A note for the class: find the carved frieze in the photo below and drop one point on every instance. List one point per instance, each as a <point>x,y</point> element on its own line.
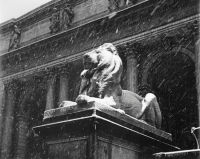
<point>181,37</point>
<point>118,4</point>
<point>66,16</point>
<point>63,45</point>
<point>61,18</point>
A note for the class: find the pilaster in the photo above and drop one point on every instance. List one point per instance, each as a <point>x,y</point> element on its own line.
<point>198,81</point>
<point>11,90</point>
<point>21,136</point>
<point>132,71</point>
<point>64,85</point>
<point>2,107</point>
<point>50,98</point>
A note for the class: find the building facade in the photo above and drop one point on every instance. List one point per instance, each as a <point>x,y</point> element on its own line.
<point>41,62</point>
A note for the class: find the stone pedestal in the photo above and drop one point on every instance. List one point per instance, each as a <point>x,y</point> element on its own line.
<point>85,132</point>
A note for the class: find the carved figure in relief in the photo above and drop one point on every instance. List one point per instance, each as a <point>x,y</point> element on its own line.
<point>101,83</point>
<point>117,4</point>
<point>55,21</point>
<point>66,16</point>
<point>15,38</point>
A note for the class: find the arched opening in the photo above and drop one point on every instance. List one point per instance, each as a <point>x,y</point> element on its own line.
<point>172,78</point>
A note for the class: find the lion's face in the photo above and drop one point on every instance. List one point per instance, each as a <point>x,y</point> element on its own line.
<point>99,57</point>
<point>90,60</point>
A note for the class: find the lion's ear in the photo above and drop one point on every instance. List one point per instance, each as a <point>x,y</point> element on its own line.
<point>110,47</point>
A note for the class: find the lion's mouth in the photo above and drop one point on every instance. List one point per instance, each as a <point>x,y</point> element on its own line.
<point>90,61</point>
<point>88,65</point>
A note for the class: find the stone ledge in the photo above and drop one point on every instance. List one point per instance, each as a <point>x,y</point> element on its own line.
<point>185,154</point>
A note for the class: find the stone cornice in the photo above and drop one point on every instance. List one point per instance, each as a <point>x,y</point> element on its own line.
<point>35,15</point>
<point>160,30</point>
<point>147,35</point>
<point>118,13</point>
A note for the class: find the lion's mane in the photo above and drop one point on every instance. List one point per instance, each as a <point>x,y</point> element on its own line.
<point>107,73</point>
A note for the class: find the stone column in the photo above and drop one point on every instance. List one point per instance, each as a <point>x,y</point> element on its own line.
<point>198,81</point>
<point>131,70</point>
<point>9,121</point>
<point>64,87</point>
<point>2,104</point>
<point>50,99</point>
<point>21,136</point>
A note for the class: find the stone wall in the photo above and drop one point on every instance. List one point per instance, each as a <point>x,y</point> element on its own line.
<point>127,25</point>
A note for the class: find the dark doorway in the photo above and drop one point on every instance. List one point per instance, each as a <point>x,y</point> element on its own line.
<point>172,78</point>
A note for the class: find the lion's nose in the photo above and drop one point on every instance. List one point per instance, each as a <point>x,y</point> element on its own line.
<point>86,56</point>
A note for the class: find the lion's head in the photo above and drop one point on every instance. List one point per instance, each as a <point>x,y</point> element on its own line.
<point>102,71</point>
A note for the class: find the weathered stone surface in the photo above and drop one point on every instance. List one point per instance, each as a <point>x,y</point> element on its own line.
<point>4,41</point>
<point>65,45</point>
<point>50,98</point>
<point>71,149</point>
<point>9,122</point>
<point>35,30</point>
<point>89,9</point>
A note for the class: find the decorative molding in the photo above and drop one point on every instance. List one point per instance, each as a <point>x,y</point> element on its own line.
<point>130,49</point>
<point>160,30</point>
<point>38,14</point>
<point>77,27</point>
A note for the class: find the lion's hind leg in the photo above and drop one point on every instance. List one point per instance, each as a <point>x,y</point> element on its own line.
<point>150,111</point>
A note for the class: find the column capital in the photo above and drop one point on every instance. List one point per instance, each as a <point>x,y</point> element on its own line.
<point>22,116</point>
<point>144,89</point>
<point>64,70</point>
<point>50,74</point>
<point>2,86</point>
<point>12,85</point>
<point>132,50</point>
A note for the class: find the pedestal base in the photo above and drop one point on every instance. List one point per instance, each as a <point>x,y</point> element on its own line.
<point>76,132</point>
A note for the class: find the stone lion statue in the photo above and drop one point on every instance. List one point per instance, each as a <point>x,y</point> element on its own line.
<point>101,83</point>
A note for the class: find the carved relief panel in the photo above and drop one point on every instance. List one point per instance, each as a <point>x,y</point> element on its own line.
<point>61,18</point>
<point>15,37</point>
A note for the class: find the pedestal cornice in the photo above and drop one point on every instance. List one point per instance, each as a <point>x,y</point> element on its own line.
<point>88,117</point>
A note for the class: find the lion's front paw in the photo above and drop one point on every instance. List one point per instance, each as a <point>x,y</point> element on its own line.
<point>82,99</point>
